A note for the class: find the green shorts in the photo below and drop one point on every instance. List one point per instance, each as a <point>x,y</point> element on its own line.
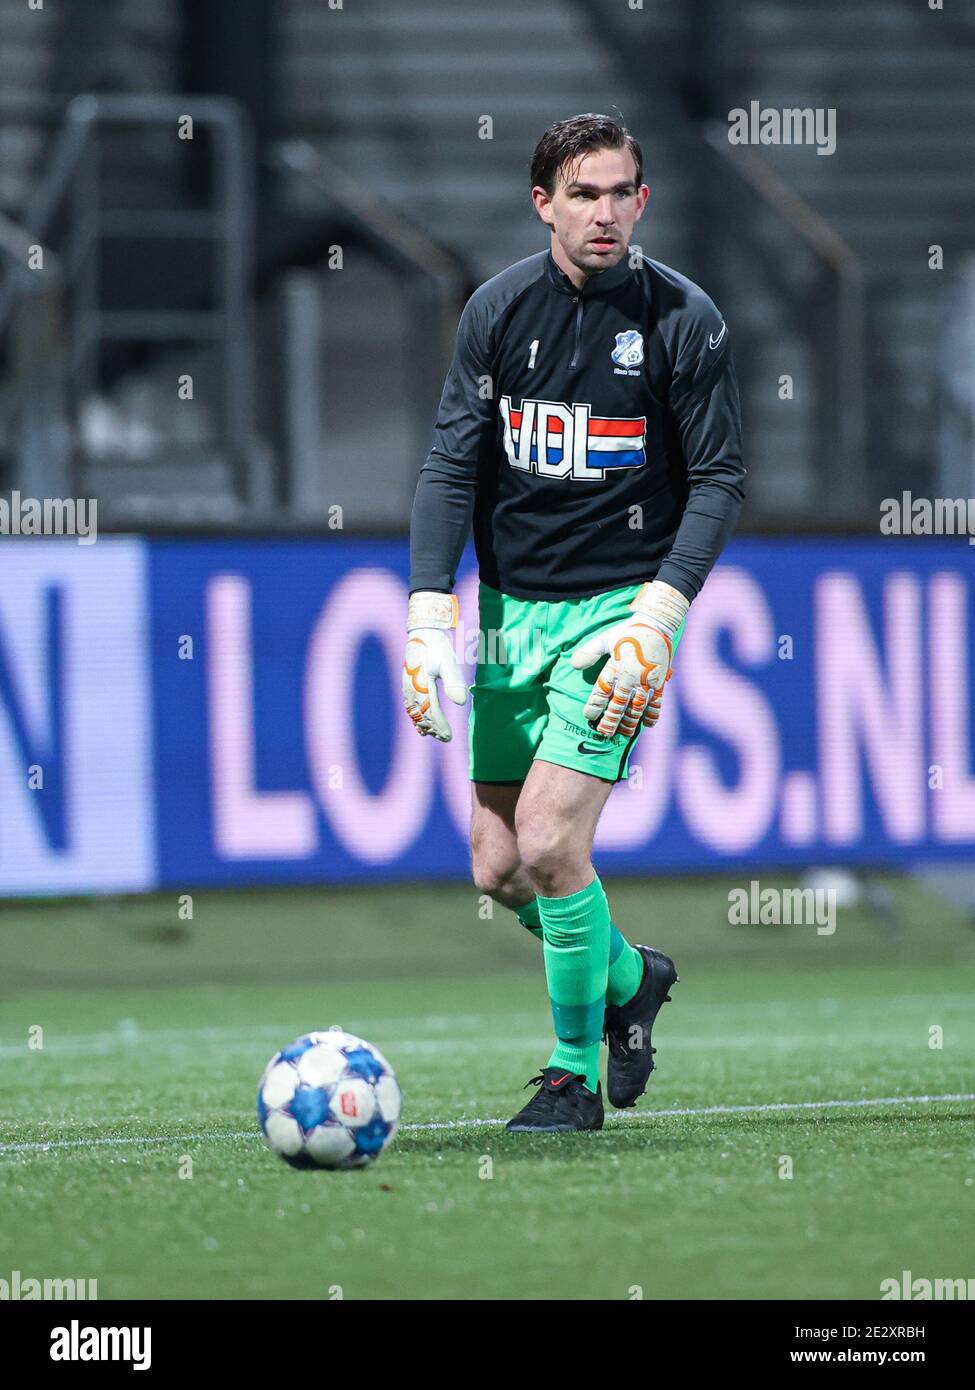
<point>528,699</point>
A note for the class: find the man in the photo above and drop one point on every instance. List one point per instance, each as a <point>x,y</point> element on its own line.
<point>589,427</point>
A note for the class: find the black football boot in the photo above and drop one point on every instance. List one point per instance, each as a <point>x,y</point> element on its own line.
<point>626,1029</point>
<point>562,1103</point>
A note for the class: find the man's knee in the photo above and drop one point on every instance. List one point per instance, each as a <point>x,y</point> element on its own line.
<point>545,846</point>
<point>493,867</point>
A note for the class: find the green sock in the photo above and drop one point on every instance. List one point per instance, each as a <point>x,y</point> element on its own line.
<point>576,947</point>
<point>529,918</point>
<point>625,969</point>
<point>625,961</point>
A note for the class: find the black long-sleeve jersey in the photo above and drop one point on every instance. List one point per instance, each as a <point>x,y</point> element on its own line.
<point>592,435</point>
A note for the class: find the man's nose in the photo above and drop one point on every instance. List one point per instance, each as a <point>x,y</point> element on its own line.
<point>605,212</point>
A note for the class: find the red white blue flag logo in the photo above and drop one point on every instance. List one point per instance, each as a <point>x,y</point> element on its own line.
<point>567,441</point>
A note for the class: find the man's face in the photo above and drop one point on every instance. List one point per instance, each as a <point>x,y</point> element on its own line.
<point>592,212</point>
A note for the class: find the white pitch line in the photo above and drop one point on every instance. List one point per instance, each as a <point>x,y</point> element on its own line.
<point>729,1110</point>
<point>40,1146</point>
<point>43,1146</point>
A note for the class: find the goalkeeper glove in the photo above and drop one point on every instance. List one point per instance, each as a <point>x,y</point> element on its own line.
<point>430,657</point>
<point>630,685</point>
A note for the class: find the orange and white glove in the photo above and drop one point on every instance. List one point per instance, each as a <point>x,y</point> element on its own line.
<point>630,686</point>
<point>430,657</point>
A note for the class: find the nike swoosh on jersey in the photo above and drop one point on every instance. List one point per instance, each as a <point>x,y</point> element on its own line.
<point>714,341</point>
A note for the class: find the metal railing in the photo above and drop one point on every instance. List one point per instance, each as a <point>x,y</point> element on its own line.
<point>72,186</point>
<point>380,223</point>
<point>431,277</point>
<point>38,432</point>
<point>68,202</point>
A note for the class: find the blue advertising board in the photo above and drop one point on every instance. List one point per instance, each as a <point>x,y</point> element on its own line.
<point>186,712</point>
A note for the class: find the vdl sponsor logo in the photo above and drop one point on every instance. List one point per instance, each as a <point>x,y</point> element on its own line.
<point>556,440</point>
<point>19,1288</point>
<point>77,1343</point>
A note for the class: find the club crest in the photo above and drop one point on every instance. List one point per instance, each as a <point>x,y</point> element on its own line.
<point>628,351</point>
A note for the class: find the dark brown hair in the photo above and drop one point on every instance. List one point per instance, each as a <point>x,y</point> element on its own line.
<point>566,141</point>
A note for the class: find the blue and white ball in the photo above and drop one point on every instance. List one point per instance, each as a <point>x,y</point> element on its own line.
<point>329,1100</point>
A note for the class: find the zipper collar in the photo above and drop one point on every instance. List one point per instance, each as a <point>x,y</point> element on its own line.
<point>599,286</point>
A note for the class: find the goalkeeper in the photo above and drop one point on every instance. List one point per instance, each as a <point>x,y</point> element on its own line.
<point>589,432</point>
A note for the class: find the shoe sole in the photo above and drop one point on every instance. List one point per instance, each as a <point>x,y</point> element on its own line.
<point>551,1129</point>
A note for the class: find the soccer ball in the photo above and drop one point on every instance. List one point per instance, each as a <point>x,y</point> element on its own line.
<point>328,1100</point>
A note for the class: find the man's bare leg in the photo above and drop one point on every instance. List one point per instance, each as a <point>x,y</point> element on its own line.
<point>495,861</point>
<point>535,838</point>
<point>551,817</point>
<point>555,821</point>
<point>555,817</point>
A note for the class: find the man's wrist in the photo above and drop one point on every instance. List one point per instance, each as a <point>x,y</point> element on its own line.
<point>663,603</point>
<point>429,608</point>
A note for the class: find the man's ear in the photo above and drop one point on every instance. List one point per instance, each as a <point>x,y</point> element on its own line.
<point>543,205</point>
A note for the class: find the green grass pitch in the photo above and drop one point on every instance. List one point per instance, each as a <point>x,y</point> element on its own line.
<point>155,1032</point>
